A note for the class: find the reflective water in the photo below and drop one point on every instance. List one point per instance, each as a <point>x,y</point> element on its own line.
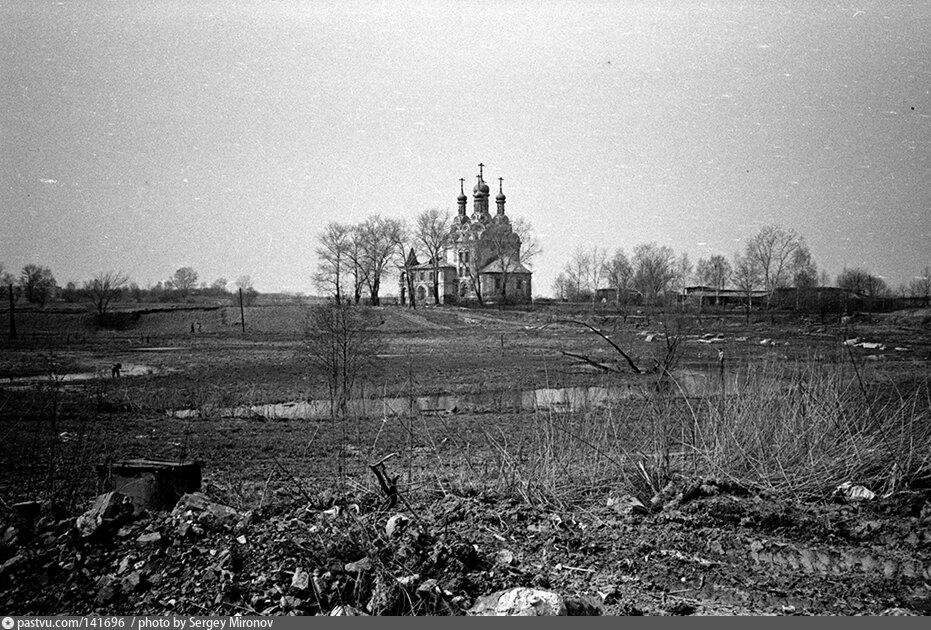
<point>685,382</point>
<point>127,369</point>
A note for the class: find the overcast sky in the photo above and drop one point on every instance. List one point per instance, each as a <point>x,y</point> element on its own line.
<point>148,135</point>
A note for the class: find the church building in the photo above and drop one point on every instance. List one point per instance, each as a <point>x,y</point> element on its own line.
<point>485,252</point>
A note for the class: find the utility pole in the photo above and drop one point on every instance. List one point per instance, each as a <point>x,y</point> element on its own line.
<point>242,312</point>
<point>12,318</point>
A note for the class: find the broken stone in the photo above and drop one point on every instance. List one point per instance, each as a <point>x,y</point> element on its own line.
<point>300,581</point>
<point>109,509</point>
<point>505,557</point>
<point>196,509</point>
<point>107,590</point>
<point>131,582</point>
<point>627,505</point>
<point>519,602</point>
<point>395,524</point>
<point>150,537</point>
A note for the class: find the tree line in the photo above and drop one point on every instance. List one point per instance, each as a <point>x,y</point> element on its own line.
<point>37,285</point>
<point>774,258</point>
<point>354,259</point>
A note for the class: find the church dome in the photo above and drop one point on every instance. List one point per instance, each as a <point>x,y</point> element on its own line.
<point>480,188</point>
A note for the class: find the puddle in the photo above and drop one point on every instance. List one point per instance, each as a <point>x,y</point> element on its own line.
<point>686,383</point>
<point>127,369</point>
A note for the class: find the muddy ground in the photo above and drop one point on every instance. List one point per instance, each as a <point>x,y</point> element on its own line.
<point>307,501</point>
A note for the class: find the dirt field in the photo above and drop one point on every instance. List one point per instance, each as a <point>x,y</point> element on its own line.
<point>513,446</point>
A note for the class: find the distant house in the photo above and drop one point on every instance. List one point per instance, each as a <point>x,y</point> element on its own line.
<point>422,281</point>
<point>619,296</point>
<point>704,295</point>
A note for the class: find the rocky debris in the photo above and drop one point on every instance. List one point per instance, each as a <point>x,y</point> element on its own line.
<point>519,602</point>
<point>705,542</point>
<point>108,512</point>
<point>300,581</point>
<point>506,558</point>
<point>131,582</point>
<point>196,513</point>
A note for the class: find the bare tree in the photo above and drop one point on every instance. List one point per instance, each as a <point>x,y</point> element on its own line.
<point>597,258</point>
<point>379,238</point>
<point>772,251</point>
<point>683,269</point>
<point>561,286</point>
<point>184,280</point>
<point>530,246</point>
<point>405,254</point>
<point>619,275</point>
<point>341,341</point>
<point>432,230</point>
<point>105,287</point>
<point>358,270</point>
<point>332,258</point>
<point>714,272</point>
<point>863,282</point>
<point>746,278</point>
<point>37,283</point>
<point>577,274</point>
<point>654,269</point>
<point>804,269</point>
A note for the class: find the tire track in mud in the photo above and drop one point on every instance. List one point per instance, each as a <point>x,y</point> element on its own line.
<point>820,559</point>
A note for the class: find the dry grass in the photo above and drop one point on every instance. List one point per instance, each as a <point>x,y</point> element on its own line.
<point>797,430</point>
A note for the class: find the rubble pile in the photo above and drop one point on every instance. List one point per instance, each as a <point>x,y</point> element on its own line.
<point>697,547</point>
